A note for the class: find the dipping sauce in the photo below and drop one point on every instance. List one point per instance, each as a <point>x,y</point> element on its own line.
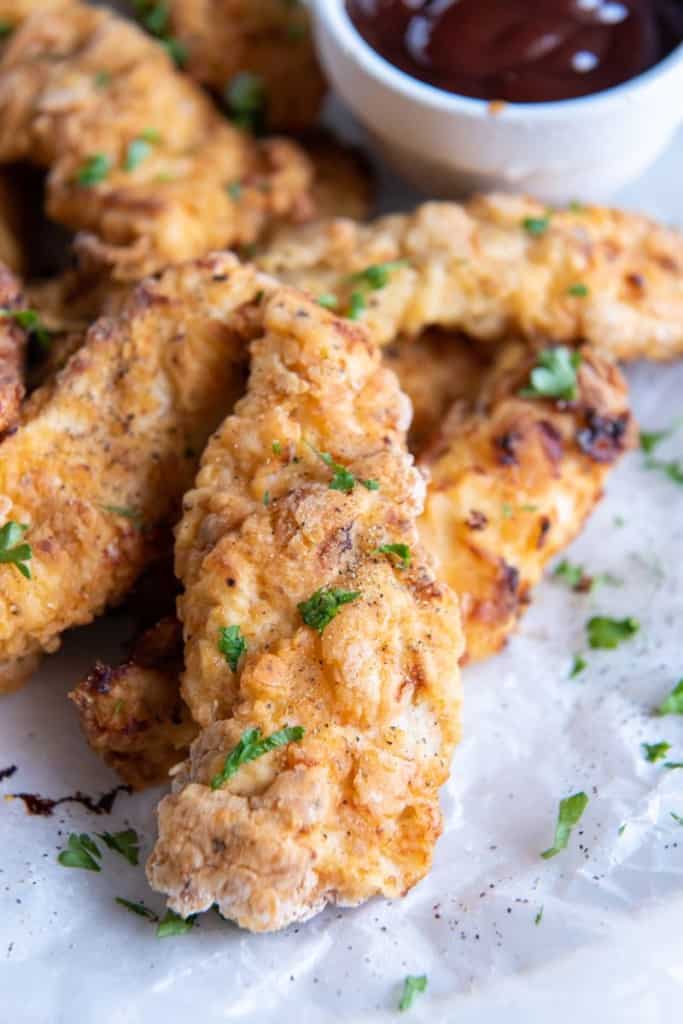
<point>522,51</point>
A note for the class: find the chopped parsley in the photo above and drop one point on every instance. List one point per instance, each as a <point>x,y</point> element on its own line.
<point>176,50</point>
<point>357,305</point>
<point>539,917</point>
<point>126,512</point>
<point>327,300</point>
<point>266,498</point>
<point>6,28</point>
<point>80,853</point>
<point>246,99</point>
<point>253,745</point>
<point>234,190</point>
<point>555,375</point>
<point>30,320</point>
<point>173,924</point>
<point>154,17</point>
<point>12,548</point>
<point>673,764</point>
<point>102,79</point>
<point>578,666</point>
<point>343,479</point>
<point>126,843</point>
<point>137,908</point>
<point>371,485</point>
<point>536,226</point>
<point>569,815</point>
<point>140,148</point>
<point>399,551</point>
<point>654,752</point>
<point>673,705</point>
<point>276,448</point>
<point>232,645</point>
<point>676,817</point>
<point>605,633</point>
<point>578,290</point>
<point>323,606</point>
<point>377,276</point>
<point>94,170</point>
<point>674,469</point>
<point>572,574</point>
<point>413,984</point>
<point>649,440</point>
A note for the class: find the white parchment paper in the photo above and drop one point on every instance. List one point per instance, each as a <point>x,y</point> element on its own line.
<point>608,946</point>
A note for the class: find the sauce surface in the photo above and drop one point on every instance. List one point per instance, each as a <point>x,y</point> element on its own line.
<point>522,51</point>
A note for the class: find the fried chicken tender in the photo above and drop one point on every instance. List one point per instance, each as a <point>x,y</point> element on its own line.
<point>11,242</point>
<point>497,267</point>
<point>13,339</point>
<point>270,39</point>
<point>512,483</point>
<point>351,810</point>
<point>138,157</point>
<point>104,451</point>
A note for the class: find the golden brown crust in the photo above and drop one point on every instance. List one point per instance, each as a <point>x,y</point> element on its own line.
<point>270,39</point>
<point>120,427</point>
<point>477,268</point>
<point>78,84</point>
<point>351,810</point>
<point>512,482</point>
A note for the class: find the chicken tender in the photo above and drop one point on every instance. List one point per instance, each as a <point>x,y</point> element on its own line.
<point>13,340</point>
<point>138,157</point>
<point>309,605</point>
<point>104,451</point>
<point>264,48</point>
<point>11,242</point>
<point>512,483</point>
<point>499,266</point>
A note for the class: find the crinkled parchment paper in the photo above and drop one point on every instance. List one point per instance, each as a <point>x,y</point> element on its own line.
<point>608,946</point>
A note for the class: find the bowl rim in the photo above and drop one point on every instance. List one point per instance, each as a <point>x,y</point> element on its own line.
<point>339,25</point>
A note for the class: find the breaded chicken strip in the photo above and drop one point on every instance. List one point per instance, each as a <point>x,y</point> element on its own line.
<point>499,266</point>
<point>512,483</point>
<point>262,51</point>
<point>12,253</point>
<point>13,339</point>
<point>297,615</point>
<point>105,450</point>
<point>137,155</point>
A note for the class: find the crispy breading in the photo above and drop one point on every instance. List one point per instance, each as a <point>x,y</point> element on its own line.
<point>78,88</point>
<point>13,340</point>
<point>270,39</point>
<point>343,179</point>
<point>104,451</point>
<point>133,714</point>
<point>608,277</point>
<point>351,810</point>
<point>512,483</point>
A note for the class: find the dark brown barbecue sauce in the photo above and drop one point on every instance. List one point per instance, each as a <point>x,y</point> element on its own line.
<point>522,51</point>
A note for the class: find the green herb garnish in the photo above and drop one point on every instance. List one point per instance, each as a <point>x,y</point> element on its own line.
<point>252,746</point>
<point>572,574</point>
<point>327,300</point>
<point>578,290</point>
<point>569,815</point>
<point>276,448</point>
<point>673,705</point>
<point>578,665</point>
<point>399,551</point>
<point>605,633</point>
<point>234,190</point>
<point>413,984</point>
<point>176,50</point>
<point>102,79</point>
<point>671,765</point>
<point>126,843</point>
<point>536,226</point>
<point>232,645</point>
<point>80,853</point>
<point>377,276</point>
<point>140,148</point>
<point>676,817</point>
<point>266,498</point>
<point>30,321</point>
<point>319,610</point>
<point>245,96</point>
<point>674,470</point>
<point>654,752</point>
<point>6,28</point>
<point>173,924</point>
<point>539,917</point>
<point>94,170</point>
<point>12,550</point>
<point>649,440</point>
<point>126,512</point>
<point>555,375</point>
<point>137,908</point>
<point>357,305</point>
<point>343,479</point>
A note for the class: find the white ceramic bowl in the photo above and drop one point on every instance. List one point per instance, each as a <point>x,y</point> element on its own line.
<point>448,145</point>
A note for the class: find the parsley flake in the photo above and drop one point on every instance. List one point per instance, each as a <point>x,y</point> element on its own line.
<point>253,745</point>
<point>137,908</point>
<point>327,300</point>
<point>266,498</point>
<point>673,705</point>
<point>578,666</point>
<point>671,765</point>
<point>539,917</point>
<point>126,843</point>
<point>102,79</point>
<point>413,984</point>
<point>6,29</point>
<point>173,924</point>
<point>234,190</point>
<point>276,448</point>
<point>30,320</point>
<point>246,99</point>
<point>80,853</point>
<point>536,226</point>
<point>676,817</point>
<point>343,479</point>
<point>569,815</point>
<point>323,606</point>
<point>649,440</point>
<point>377,276</point>
<point>674,469</point>
<point>654,752</point>
<point>126,512</point>
<point>232,645</point>
<point>357,305</point>
<point>371,485</point>
<point>400,551</point>
<point>555,375</point>
<point>578,290</point>
<point>139,149</point>
<point>94,170</point>
<point>572,574</point>
<point>12,550</point>
<point>606,634</point>
<point>176,50</point>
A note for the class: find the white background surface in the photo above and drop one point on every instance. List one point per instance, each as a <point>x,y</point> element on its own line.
<point>609,945</point>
